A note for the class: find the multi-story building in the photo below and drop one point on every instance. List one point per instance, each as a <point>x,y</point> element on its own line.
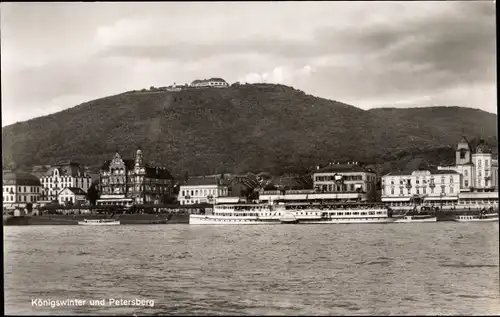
<point>335,182</point>
<point>476,165</point>
<point>61,175</point>
<point>202,190</point>
<point>349,180</point>
<point>212,82</point>
<point>403,189</point>
<point>479,185</point>
<point>126,182</point>
<point>20,189</point>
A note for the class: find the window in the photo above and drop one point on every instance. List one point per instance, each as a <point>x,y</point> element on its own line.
<point>466,183</point>
<point>401,190</point>
<point>462,154</point>
<point>418,191</point>
<point>451,189</point>
<point>451,179</point>
<point>432,190</point>
<point>392,190</point>
<point>486,163</point>
<point>442,189</point>
<point>466,173</point>
<point>424,190</point>
<point>409,191</point>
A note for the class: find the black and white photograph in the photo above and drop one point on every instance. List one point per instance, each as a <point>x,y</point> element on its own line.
<point>281,158</point>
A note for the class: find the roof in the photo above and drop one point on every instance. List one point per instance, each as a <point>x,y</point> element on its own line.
<point>290,182</point>
<point>20,178</point>
<point>200,181</point>
<point>76,190</point>
<point>66,170</point>
<point>444,172</point>
<point>216,79</point>
<point>198,81</point>
<point>129,164</point>
<point>483,147</point>
<point>408,173</point>
<point>343,168</point>
<point>158,172</point>
<point>463,140</point>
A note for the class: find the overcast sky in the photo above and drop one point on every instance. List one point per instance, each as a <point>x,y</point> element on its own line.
<point>368,54</point>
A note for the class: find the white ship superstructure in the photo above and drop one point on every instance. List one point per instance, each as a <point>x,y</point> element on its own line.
<point>302,213</point>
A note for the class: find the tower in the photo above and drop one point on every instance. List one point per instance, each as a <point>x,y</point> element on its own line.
<point>139,159</point>
<point>463,152</point>
<point>482,165</point>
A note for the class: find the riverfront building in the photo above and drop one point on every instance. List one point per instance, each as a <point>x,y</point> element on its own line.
<point>127,182</point>
<point>476,165</point>
<point>200,190</point>
<point>439,187</point>
<point>479,185</point>
<point>61,175</point>
<point>335,182</point>
<point>72,196</point>
<point>471,182</point>
<point>20,189</point>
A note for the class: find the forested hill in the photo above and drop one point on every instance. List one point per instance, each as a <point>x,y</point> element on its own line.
<point>260,127</point>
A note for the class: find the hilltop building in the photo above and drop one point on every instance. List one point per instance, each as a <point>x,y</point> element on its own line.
<point>61,175</point>
<point>20,189</point>
<point>200,190</point>
<point>126,182</point>
<point>212,82</point>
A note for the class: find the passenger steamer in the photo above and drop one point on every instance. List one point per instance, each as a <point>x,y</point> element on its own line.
<point>303,213</point>
<point>99,222</point>
<point>425,214</point>
<point>481,217</point>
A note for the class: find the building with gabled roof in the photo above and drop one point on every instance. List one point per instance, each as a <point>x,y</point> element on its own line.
<point>72,195</point>
<point>126,182</point>
<point>63,174</point>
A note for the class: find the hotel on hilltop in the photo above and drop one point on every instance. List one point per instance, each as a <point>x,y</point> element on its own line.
<point>471,182</point>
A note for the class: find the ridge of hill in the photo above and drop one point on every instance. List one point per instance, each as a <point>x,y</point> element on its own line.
<point>259,127</point>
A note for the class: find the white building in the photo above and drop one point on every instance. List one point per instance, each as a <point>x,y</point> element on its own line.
<point>62,175</point>
<point>20,189</point>
<point>346,180</point>
<point>202,190</point>
<point>479,185</point>
<point>72,195</point>
<point>479,170</point>
<point>440,187</point>
<point>212,82</point>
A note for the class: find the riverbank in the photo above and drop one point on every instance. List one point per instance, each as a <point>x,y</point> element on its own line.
<point>130,219</point>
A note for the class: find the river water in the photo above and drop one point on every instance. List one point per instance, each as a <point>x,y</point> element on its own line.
<point>343,269</point>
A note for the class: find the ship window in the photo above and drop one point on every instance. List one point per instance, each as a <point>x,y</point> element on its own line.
<point>355,213</point>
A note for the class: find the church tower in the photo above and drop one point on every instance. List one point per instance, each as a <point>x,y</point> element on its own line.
<point>463,152</point>
<point>139,159</point>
